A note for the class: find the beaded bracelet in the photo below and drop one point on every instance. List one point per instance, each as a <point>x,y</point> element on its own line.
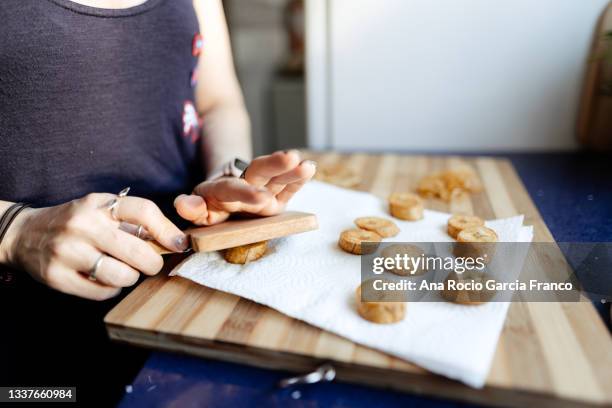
<point>9,216</point>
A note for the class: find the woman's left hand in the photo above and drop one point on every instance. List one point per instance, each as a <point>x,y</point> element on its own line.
<point>269,182</point>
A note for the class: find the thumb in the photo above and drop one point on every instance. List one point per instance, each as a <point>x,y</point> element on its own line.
<point>191,207</point>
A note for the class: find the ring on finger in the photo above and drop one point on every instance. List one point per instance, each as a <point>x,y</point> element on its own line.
<point>95,267</point>
<point>139,231</point>
<point>112,207</point>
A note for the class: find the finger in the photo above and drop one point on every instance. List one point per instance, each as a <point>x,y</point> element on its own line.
<point>230,190</point>
<point>194,209</point>
<point>82,257</point>
<point>137,230</point>
<point>289,190</point>
<point>305,171</point>
<point>112,272</point>
<point>69,281</point>
<point>191,207</point>
<point>263,168</point>
<point>277,205</point>
<point>236,195</point>
<point>227,195</point>
<point>140,211</point>
<point>127,248</point>
<point>272,208</point>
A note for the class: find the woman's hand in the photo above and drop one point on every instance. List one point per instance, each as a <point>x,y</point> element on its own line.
<point>269,182</point>
<point>60,245</point>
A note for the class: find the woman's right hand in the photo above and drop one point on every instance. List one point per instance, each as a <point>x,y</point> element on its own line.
<point>60,245</point>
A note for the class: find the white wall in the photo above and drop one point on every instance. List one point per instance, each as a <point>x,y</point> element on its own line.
<point>446,74</point>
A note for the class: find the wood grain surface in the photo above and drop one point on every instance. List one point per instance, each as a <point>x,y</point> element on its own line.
<point>552,354</point>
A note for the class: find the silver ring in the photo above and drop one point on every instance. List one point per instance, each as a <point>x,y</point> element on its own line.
<point>95,267</point>
<point>139,231</point>
<point>115,202</point>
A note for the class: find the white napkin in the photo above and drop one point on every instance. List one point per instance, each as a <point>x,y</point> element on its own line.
<point>308,277</point>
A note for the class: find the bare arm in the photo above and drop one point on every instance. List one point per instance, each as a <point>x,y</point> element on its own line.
<point>218,96</point>
<point>4,205</point>
<point>270,181</point>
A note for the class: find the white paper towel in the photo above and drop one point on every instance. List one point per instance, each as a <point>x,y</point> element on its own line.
<point>308,277</point>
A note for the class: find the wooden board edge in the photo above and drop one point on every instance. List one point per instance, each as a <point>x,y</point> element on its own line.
<point>305,223</point>
<point>386,378</point>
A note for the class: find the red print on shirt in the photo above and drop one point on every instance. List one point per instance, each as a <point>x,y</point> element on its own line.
<point>191,123</point>
<point>196,44</point>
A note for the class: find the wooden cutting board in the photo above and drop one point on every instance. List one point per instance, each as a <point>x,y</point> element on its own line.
<point>549,353</point>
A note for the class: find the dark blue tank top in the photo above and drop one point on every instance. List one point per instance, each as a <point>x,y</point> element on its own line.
<point>94,100</point>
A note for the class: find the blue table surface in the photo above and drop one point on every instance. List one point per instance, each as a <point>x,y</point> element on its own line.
<point>573,192</point>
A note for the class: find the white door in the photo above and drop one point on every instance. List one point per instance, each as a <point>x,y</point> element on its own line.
<point>446,75</point>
